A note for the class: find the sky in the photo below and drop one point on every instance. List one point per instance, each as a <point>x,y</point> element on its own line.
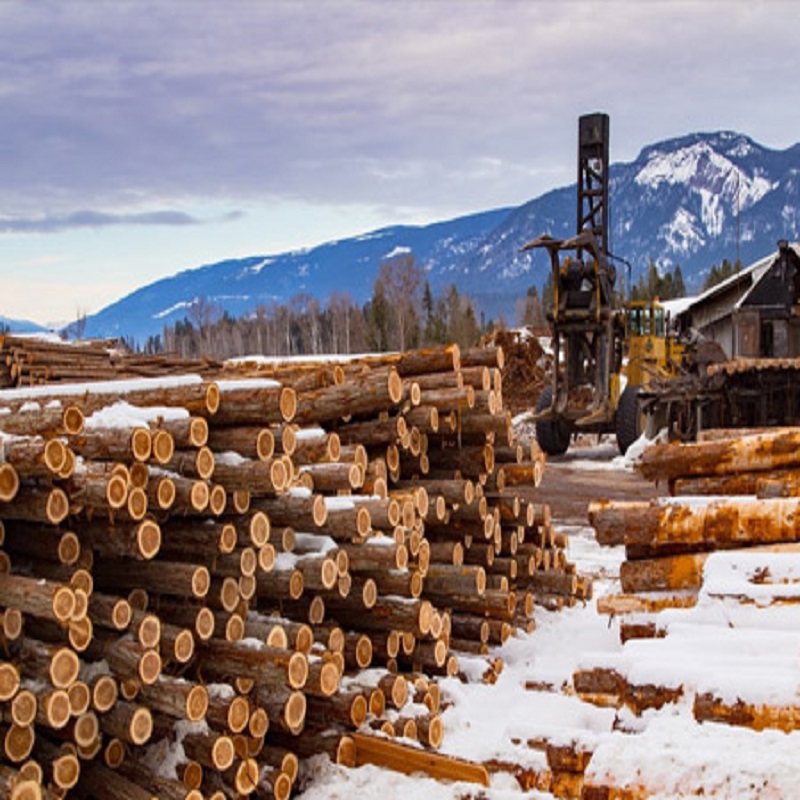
<point>143,138</point>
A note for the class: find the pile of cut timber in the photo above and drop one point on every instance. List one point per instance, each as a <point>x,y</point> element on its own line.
<point>201,581</point>
<point>525,368</point>
<point>710,574</point>
<point>34,360</point>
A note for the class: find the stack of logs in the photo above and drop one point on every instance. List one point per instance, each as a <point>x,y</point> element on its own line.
<point>201,581</point>
<point>731,491</point>
<point>734,501</point>
<point>34,360</point>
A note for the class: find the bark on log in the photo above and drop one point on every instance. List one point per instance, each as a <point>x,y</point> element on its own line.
<point>367,394</point>
<point>765,451</point>
<point>254,402</point>
<point>367,749</point>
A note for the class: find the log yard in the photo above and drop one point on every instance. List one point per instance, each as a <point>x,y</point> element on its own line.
<point>313,577</point>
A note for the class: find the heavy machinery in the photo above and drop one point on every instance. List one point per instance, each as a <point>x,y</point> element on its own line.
<point>588,327</point>
<point>626,370</point>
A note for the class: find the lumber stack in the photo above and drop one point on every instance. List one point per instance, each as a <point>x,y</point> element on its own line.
<point>36,360</point>
<point>225,575</point>
<point>715,567</point>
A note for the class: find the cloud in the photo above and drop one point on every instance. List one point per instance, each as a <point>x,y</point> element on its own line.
<point>444,104</point>
<point>99,219</point>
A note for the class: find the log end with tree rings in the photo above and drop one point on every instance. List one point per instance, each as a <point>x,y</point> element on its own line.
<point>148,538</point>
<point>141,444</point>
<point>199,495</point>
<point>121,614</point>
<point>204,463</point>
<point>139,474</point>
<point>346,752</point>
<point>240,500</point>
<point>18,742</point>
<point>54,455</point>
<point>223,753</point>
<point>196,703</point>
<point>56,506</point>
<point>81,633</point>
<point>86,730</point>
<point>137,503</point>
<point>104,693</point>
<point>319,510</point>
<point>288,403</point>
<point>163,446</point>
<point>55,709</point>
<point>149,667</point>
<point>201,582</point>
<point>259,528</point>
<point>358,710</point>
<point>369,593</point>
<point>277,637</point>
<point>148,632</point>
<point>229,594</point>
<point>66,771</point>
<point>288,435</point>
<point>68,467</point>
<point>266,558</point>
<point>63,604</point>
<point>294,712</point>
<point>217,500</point>
<point>80,698</point>
<point>140,727</point>
<point>26,790</point>
<point>72,421</point>
<point>198,431</point>
<point>246,778</point>
<point>183,647</point>
<point>282,787</point>
<point>64,667</point>
<point>297,670</point>
<point>234,628</point>
<point>258,724</point>
<point>238,714</point>
<point>228,538</point>
<point>165,493</point>
<point>363,651</point>
<point>23,707</point>
<point>69,548</point>
<point>114,753</point>
<point>394,386</point>
<point>12,624</point>
<point>265,444</point>
<point>279,476</point>
<point>204,624</point>
<point>212,398</point>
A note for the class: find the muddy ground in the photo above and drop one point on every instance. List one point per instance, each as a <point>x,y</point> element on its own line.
<point>573,480</point>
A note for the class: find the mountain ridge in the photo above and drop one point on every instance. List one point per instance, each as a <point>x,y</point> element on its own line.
<point>691,200</point>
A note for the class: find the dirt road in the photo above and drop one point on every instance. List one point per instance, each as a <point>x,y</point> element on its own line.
<point>571,481</point>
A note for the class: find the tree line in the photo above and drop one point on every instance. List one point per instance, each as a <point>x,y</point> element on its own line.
<point>402,313</point>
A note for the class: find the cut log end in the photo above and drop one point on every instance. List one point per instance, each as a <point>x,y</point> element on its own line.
<point>148,538</point>
<point>9,483</point>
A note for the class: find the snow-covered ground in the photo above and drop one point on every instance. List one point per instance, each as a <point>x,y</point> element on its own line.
<point>732,644</point>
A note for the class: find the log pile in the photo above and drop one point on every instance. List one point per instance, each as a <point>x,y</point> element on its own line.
<point>222,576</point>
<point>34,361</point>
<point>714,576</point>
<point>525,369</point>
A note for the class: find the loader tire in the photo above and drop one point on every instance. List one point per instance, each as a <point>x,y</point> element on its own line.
<point>553,435</point>
<point>629,419</point>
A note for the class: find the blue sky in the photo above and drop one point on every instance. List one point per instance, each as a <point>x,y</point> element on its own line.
<point>143,138</point>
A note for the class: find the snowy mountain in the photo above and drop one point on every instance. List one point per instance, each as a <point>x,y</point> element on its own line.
<point>19,326</point>
<point>684,201</point>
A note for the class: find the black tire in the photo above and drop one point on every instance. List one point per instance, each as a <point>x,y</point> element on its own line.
<point>629,419</point>
<point>553,435</point>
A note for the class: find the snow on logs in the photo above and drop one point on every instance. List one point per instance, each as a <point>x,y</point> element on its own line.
<point>713,571</point>
<point>282,551</point>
